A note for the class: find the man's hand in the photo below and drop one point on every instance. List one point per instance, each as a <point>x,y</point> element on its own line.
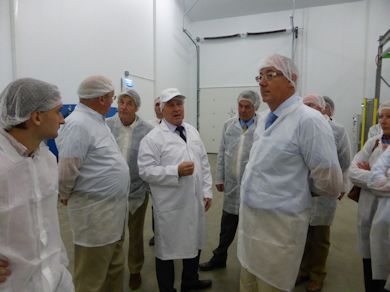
<point>363,165</point>
<point>341,195</point>
<point>186,168</point>
<point>4,271</point>
<point>64,202</point>
<point>220,187</point>
<point>207,203</point>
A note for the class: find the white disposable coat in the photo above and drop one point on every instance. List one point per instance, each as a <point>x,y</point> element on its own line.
<point>296,149</point>
<point>138,187</point>
<point>380,230</point>
<point>29,231</point>
<point>368,202</point>
<point>178,206</point>
<point>324,208</point>
<point>95,177</point>
<point>231,161</point>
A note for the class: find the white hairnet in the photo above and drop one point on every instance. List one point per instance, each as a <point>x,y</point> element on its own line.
<point>329,102</point>
<point>317,99</point>
<point>384,105</point>
<point>25,96</point>
<point>133,95</point>
<point>95,86</point>
<point>282,64</point>
<point>251,96</point>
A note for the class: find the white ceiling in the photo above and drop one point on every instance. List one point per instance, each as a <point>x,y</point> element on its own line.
<point>212,9</point>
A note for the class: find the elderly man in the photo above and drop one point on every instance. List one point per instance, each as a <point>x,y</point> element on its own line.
<point>94,183</point>
<point>236,143</point>
<point>129,129</point>
<point>30,238</point>
<point>323,209</point>
<point>293,153</point>
<point>173,160</point>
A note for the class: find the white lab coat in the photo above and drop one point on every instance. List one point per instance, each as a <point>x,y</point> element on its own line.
<point>138,188</point>
<point>29,230</point>
<point>368,202</point>
<point>296,149</point>
<point>94,176</point>
<point>178,206</point>
<point>231,161</point>
<point>324,208</point>
<point>380,230</point>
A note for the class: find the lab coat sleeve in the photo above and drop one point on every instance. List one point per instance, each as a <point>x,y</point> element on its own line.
<point>73,144</point>
<point>220,171</point>
<point>359,177</point>
<point>207,180</point>
<point>318,148</point>
<point>379,176</point>
<point>344,156</point>
<point>150,168</point>
<point>68,171</point>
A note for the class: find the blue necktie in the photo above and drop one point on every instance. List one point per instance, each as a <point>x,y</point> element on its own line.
<point>180,129</point>
<point>270,120</point>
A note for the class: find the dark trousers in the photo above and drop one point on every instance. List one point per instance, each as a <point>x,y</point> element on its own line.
<point>370,284</point>
<point>166,273</point>
<point>229,223</point>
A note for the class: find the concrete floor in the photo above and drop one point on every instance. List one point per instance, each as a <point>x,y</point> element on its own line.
<point>344,265</point>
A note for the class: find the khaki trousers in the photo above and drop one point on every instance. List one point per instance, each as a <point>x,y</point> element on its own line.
<point>316,252</point>
<point>99,269</point>
<point>136,237</point>
<point>250,283</point>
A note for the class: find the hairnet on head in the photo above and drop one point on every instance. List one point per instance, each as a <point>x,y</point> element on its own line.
<point>251,96</point>
<point>384,105</point>
<point>133,95</point>
<point>329,102</point>
<point>282,64</point>
<point>24,96</point>
<point>167,94</point>
<point>95,86</point>
<point>317,99</point>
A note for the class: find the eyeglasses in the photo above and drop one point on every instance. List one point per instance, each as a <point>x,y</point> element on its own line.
<point>268,76</point>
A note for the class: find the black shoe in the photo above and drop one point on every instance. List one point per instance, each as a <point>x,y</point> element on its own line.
<point>212,265</point>
<point>197,285</point>
<point>151,241</point>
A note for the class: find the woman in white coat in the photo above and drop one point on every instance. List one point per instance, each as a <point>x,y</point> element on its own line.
<point>173,160</point>
<point>359,173</point>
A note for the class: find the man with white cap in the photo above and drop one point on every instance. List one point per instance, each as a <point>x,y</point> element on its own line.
<point>94,184</point>
<point>129,129</point>
<point>293,154</point>
<point>236,143</point>
<point>313,266</point>
<point>173,160</point>
<point>30,239</point>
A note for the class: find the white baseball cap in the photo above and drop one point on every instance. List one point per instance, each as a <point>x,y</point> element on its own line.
<point>169,93</point>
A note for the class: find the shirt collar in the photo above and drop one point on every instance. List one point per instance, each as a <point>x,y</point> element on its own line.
<point>249,122</point>
<point>90,111</point>
<point>170,126</point>
<point>287,103</point>
<point>19,147</point>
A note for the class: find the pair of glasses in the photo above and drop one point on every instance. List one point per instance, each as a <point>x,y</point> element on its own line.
<point>268,76</point>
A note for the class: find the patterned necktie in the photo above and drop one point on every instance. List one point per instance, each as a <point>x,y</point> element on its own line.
<point>270,119</point>
<point>180,129</point>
